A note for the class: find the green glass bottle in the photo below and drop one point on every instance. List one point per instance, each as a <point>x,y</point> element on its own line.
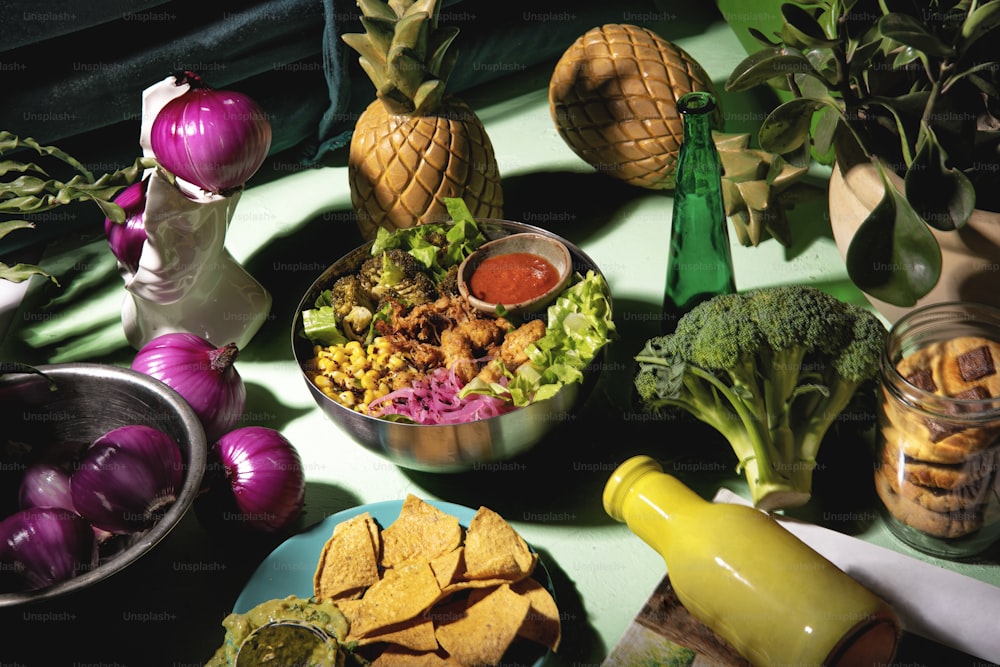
<point>699,264</point>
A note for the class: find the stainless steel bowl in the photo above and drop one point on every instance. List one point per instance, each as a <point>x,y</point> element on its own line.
<point>89,400</point>
<point>448,447</point>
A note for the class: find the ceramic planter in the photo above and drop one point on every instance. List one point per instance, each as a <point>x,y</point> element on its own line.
<point>970,268</point>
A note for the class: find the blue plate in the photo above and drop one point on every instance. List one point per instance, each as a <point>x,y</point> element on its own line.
<point>289,569</point>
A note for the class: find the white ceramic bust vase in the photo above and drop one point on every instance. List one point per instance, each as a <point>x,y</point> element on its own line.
<point>186,280</point>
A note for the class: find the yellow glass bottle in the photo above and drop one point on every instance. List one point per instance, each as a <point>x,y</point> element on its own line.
<point>736,569</point>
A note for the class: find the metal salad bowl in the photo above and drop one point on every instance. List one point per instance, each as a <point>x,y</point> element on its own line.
<point>75,403</point>
<point>448,447</point>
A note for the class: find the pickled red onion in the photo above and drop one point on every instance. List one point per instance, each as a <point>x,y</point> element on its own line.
<point>435,400</point>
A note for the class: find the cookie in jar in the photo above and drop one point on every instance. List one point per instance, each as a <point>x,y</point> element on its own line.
<point>938,445</point>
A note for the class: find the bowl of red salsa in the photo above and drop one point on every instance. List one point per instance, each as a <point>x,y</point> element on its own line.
<point>516,274</point>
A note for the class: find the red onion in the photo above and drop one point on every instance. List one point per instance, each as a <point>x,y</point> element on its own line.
<point>45,485</point>
<point>216,139</point>
<point>201,373</point>
<point>127,238</point>
<point>41,546</point>
<point>126,478</point>
<point>256,481</point>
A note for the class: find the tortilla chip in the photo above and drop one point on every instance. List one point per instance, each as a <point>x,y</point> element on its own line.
<point>488,626</point>
<point>349,561</point>
<point>417,636</point>
<point>400,657</point>
<point>421,532</point>
<point>402,594</point>
<point>447,566</point>
<point>542,624</point>
<point>493,549</point>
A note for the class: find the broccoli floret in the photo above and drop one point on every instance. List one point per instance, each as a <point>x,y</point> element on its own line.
<point>448,285</point>
<point>347,294</point>
<point>771,369</point>
<point>397,274</point>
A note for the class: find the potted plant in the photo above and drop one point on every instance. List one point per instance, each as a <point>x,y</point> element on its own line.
<point>903,95</point>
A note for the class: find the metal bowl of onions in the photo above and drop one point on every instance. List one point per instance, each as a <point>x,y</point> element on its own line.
<point>74,433</point>
<point>459,445</point>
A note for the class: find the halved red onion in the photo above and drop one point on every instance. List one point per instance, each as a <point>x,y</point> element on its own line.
<point>216,139</point>
<point>127,478</point>
<point>45,485</point>
<point>41,546</point>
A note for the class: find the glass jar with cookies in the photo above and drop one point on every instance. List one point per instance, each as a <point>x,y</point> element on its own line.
<point>939,429</point>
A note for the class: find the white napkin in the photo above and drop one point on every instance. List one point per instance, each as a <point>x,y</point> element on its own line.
<point>943,606</point>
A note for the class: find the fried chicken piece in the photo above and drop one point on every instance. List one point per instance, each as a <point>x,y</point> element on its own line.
<point>459,354</point>
<point>512,350</point>
<point>483,333</point>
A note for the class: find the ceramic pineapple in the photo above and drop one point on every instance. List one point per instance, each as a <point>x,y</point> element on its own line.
<point>415,144</point>
<point>613,97</point>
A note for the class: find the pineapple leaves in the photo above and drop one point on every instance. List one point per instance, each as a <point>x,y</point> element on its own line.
<point>943,196</point>
<point>442,57</point>
<point>376,41</point>
<point>893,255</point>
<point>376,9</point>
<point>405,54</point>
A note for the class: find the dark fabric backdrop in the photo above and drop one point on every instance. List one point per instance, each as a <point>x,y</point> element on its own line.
<point>72,72</point>
<point>69,68</point>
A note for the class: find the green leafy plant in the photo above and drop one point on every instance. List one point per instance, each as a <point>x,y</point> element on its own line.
<point>913,85</point>
<point>34,190</point>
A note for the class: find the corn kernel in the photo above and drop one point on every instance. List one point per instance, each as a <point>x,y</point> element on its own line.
<point>346,398</point>
<point>369,380</point>
<point>321,381</point>
<point>396,362</point>
<point>338,355</point>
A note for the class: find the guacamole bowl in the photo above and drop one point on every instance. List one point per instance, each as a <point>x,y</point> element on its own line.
<point>62,408</point>
<point>450,447</point>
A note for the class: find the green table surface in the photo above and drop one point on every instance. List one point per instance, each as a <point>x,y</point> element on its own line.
<point>294,221</point>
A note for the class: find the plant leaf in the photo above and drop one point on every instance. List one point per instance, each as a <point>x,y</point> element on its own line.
<point>907,30</point>
<point>8,226</point>
<point>760,67</point>
<point>787,127</point>
<point>982,21</point>
<point>943,196</point>
<point>10,141</point>
<point>801,28</point>
<point>21,272</point>
<point>893,256</point>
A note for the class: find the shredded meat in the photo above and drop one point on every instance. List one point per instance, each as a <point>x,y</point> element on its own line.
<point>447,332</point>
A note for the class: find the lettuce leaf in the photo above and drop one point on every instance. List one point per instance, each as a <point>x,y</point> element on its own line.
<point>320,326</point>
<point>462,234</point>
<point>579,324</point>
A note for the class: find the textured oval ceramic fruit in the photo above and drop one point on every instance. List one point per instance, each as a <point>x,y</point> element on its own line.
<point>613,97</point>
<point>402,167</point>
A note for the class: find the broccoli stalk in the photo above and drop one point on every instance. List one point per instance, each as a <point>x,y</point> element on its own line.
<point>769,369</point>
